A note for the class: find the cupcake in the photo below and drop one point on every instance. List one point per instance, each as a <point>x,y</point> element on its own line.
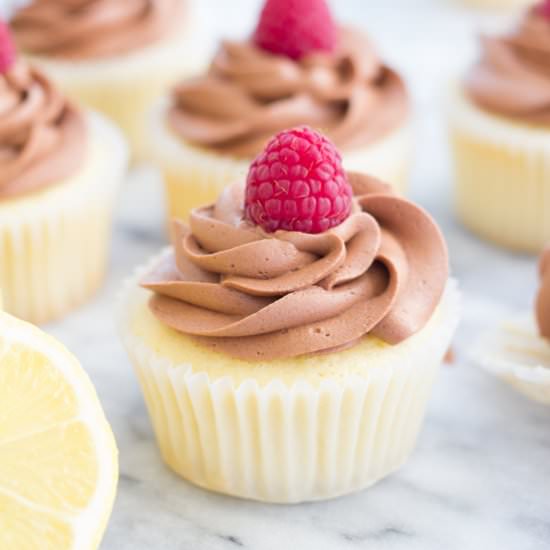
<point>500,126</point>
<point>60,169</point>
<point>299,67</point>
<point>518,351</point>
<point>287,342</point>
<point>499,4</point>
<point>116,57</point>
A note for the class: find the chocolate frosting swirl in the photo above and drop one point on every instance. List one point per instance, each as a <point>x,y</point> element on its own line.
<point>254,295</point>
<point>248,95</point>
<point>42,135</point>
<point>512,77</point>
<point>543,298</point>
<point>88,29</point>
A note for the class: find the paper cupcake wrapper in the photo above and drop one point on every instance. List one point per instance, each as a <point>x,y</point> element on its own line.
<point>287,441</point>
<point>502,177</point>
<point>125,87</point>
<point>516,354</point>
<point>195,177</point>
<point>54,244</point>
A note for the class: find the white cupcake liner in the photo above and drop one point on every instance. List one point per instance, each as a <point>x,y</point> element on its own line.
<point>54,243</point>
<point>515,353</point>
<point>502,176</point>
<point>288,441</point>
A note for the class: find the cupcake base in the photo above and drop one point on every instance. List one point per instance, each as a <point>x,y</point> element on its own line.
<point>284,431</point>
<point>194,177</point>
<point>54,243</point>
<point>502,177</point>
<point>125,87</point>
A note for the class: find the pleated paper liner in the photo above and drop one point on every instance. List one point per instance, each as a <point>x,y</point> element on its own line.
<point>195,177</point>
<point>515,353</point>
<point>299,434</point>
<point>54,243</point>
<point>502,174</point>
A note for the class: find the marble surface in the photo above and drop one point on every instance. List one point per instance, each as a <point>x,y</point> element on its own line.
<point>480,477</point>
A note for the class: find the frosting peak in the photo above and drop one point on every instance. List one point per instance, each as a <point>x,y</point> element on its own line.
<point>42,136</point>
<point>543,298</point>
<point>87,29</point>
<point>249,94</point>
<point>254,295</point>
<point>512,77</point>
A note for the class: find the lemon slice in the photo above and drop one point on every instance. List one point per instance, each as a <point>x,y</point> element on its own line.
<point>58,458</point>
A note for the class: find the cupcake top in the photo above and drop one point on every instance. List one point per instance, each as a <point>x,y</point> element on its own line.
<point>543,298</point>
<point>42,135</point>
<point>305,259</point>
<point>298,68</point>
<point>512,77</point>
<point>90,29</point>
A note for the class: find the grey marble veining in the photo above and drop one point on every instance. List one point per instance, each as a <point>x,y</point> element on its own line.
<point>480,477</point>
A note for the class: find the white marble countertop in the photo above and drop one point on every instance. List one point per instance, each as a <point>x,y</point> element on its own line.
<point>480,477</point>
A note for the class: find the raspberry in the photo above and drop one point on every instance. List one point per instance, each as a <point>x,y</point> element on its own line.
<point>296,28</point>
<point>298,184</point>
<point>543,9</point>
<point>7,49</point>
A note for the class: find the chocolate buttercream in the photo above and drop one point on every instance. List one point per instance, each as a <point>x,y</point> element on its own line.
<point>42,135</point>
<point>88,29</point>
<point>249,94</point>
<point>543,298</point>
<point>512,78</point>
<point>254,295</point>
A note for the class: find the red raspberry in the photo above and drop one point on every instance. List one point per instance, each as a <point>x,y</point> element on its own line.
<point>7,49</point>
<point>543,9</point>
<point>296,28</point>
<point>298,184</point>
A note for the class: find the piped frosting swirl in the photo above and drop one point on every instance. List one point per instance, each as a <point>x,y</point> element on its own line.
<point>512,78</point>
<point>42,135</point>
<point>256,296</point>
<point>89,29</point>
<point>249,94</point>
<point>543,298</point>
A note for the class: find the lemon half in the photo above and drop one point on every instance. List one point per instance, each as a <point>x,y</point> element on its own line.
<point>58,458</point>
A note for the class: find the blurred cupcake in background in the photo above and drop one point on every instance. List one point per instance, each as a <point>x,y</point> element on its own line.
<point>60,169</point>
<point>287,343</point>
<point>299,67</point>
<point>499,4</point>
<point>518,351</point>
<point>115,56</point>
<point>500,126</point>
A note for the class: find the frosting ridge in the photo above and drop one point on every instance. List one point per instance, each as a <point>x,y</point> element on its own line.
<point>512,77</point>
<point>42,135</point>
<point>249,94</point>
<point>255,295</point>
<point>543,298</point>
<point>88,29</point>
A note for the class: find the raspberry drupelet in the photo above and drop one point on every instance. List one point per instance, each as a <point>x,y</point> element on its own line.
<point>298,184</point>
